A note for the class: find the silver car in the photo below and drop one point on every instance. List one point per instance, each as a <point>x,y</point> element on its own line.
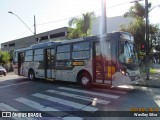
<point>2,71</point>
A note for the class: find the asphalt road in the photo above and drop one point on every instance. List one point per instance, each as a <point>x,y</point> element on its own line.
<point>68,101</point>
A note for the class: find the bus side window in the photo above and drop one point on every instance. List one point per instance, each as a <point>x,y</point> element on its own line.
<point>81,50</point>
<point>38,55</point>
<point>63,52</point>
<point>29,56</point>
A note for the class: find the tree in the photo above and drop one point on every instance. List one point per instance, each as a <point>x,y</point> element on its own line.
<point>137,27</point>
<point>4,57</point>
<point>81,27</point>
<point>136,11</point>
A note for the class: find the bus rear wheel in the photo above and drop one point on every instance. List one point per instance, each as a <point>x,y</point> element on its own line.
<point>85,80</point>
<point>31,75</point>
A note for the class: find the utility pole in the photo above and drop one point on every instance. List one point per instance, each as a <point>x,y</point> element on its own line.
<point>103,32</point>
<point>35,29</point>
<point>147,41</point>
<point>103,22</point>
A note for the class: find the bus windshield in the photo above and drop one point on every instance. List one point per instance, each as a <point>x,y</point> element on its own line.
<point>127,53</point>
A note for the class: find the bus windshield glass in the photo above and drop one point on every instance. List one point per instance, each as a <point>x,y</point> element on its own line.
<point>127,53</point>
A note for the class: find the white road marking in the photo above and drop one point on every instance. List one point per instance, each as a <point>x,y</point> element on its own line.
<point>34,104</point>
<point>14,84</point>
<point>40,107</point>
<point>89,92</point>
<point>155,94</point>
<point>5,107</point>
<point>105,102</point>
<point>157,99</point>
<point>66,102</point>
<point>112,91</point>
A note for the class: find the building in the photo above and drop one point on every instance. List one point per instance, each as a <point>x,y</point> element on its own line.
<point>113,24</point>
<point>52,35</point>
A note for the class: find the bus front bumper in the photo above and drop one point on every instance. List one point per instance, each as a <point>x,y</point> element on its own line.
<point>135,79</point>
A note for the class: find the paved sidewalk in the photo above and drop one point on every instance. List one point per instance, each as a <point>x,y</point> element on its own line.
<point>154,80</point>
<point>9,76</point>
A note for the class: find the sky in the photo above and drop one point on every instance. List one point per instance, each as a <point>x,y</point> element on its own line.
<point>53,14</point>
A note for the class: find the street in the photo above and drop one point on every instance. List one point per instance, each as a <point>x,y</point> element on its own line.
<point>72,102</point>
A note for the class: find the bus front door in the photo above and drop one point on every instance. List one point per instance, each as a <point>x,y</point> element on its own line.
<point>101,66</point>
<point>20,63</point>
<point>50,64</point>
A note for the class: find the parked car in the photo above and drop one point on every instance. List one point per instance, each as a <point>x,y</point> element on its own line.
<point>2,71</point>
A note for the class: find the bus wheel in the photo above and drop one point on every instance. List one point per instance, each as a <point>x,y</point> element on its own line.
<point>4,74</point>
<point>31,75</point>
<point>85,80</point>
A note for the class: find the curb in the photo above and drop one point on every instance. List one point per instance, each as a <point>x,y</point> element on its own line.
<point>147,83</point>
<point>151,86</point>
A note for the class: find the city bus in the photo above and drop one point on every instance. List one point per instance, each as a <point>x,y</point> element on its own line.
<point>110,59</point>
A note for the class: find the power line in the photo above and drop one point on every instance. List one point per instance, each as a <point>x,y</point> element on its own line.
<point>91,11</point>
<point>63,19</point>
<point>22,33</point>
<point>79,15</point>
<point>75,16</point>
<point>57,21</point>
<point>51,22</point>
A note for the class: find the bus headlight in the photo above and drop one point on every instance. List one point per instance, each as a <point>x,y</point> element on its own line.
<point>123,72</point>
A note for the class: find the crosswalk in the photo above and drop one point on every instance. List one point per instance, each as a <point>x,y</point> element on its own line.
<point>64,101</point>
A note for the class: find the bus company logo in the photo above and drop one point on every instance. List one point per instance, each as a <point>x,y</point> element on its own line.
<point>68,63</point>
<point>6,114</point>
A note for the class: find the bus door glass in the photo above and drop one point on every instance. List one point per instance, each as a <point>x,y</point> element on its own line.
<point>102,67</point>
<point>20,63</point>
<point>50,63</point>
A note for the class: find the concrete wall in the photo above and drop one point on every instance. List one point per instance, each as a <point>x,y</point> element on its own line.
<point>27,41</point>
<point>113,24</point>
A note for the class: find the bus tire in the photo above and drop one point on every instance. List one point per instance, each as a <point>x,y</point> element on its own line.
<point>4,74</point>
<point>31,75</point>
<point>85,79</point>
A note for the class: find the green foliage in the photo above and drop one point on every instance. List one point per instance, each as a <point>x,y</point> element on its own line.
<point>137,27</point>
<point>5,57</point>
<point>81,27</point>
<point>136,11</point>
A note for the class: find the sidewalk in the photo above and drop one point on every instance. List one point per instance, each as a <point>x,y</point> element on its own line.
<point>10,76</point>
<point>154,76</point>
